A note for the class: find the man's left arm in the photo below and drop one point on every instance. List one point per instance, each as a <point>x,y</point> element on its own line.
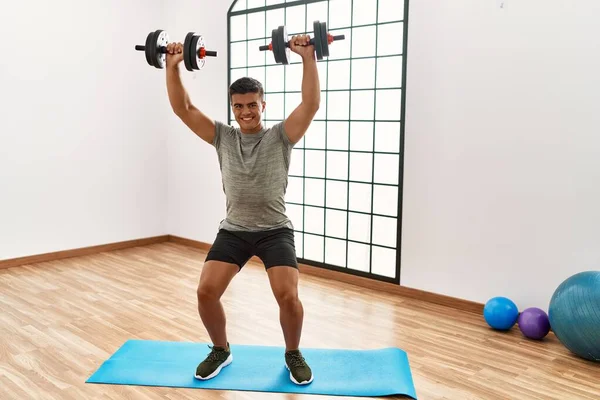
<point>300,119</point>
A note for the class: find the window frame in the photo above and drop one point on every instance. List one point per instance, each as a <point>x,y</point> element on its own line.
<point>402,121</point>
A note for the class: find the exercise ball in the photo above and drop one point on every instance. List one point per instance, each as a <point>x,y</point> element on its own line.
<point>533,323</point>
<point>574,314</point>
<point>500,313</point>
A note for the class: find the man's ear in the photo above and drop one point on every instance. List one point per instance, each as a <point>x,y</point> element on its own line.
<point>264,104</point>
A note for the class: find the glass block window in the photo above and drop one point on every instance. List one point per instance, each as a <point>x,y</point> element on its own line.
<point>345,181</point>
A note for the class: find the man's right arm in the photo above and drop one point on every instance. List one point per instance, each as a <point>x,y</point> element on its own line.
<point>196,120</point>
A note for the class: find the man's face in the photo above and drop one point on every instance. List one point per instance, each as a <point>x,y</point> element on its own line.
<point>248,109</point>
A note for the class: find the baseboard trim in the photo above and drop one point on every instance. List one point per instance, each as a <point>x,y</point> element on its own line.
<point>83,251</point>
<point>418,294</point>
<point>452,302</point>
<point>189,242</point>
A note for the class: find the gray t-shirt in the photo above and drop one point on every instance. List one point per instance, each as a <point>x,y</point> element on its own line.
<point>254,170</point>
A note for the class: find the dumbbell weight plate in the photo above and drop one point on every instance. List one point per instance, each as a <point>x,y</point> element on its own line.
<point>318,40</point>
<point>162,40</point>
<point>325,39</point>
<point>187,53</point>
<point>284,51</point>
<point>147,52</point>
<point>197,43</point>
<point>151,49</point>
<point>275,44</point>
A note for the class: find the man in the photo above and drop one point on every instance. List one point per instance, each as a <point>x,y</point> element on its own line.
<point>254,163</point>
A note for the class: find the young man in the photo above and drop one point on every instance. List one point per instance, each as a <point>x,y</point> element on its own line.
<point>254,163</point>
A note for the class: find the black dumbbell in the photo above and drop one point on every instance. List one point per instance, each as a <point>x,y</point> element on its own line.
<point>155,50</point>
<point>280,45</point>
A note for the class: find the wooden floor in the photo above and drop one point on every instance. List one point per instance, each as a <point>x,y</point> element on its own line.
<point>60,320</point>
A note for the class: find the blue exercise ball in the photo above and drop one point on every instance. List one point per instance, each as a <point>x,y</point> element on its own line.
<point>500,313</point>
<point>574,314</point>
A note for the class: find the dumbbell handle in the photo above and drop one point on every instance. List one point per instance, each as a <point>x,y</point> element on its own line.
<point>163,50</point>
<point>310,42</point>
<point>338,37</point>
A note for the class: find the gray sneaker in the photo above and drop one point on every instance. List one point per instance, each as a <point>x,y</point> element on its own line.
<point>300,372</point>
<point>218,358</point>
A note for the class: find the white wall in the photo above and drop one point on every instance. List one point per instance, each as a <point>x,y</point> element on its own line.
<point>196,199</point>
<point>502,171</point>
<point>82,140</point>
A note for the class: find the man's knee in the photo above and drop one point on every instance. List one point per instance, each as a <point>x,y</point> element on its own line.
<point>214,280</point>
<point>207,293</point>
<point>286,296</point>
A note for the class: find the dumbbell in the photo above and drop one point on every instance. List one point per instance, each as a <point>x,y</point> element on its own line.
<point>280,45</point>
<point>194,52</point>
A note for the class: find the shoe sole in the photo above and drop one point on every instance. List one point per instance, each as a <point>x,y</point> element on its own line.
<point>294,379</point>
<point>216,371</point>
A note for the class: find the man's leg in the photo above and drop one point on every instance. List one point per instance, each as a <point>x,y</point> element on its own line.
<point>277,251</point>
<point>226,257</point>
<point>284,284</point>
<point>214,280</point>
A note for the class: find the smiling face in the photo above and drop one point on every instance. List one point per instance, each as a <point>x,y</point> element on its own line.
<point>246,96</point>
<point>248,109</point>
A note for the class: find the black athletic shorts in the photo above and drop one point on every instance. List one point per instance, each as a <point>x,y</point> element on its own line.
<point>273,247</point>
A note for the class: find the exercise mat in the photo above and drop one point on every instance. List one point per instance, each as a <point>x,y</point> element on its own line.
<point>341,372</point>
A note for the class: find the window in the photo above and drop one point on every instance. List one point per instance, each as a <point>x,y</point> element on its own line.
<point>345,181</point>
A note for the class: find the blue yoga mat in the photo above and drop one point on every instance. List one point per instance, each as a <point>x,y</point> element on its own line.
<point>380,372</point>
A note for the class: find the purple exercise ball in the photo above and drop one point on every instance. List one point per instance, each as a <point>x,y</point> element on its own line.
<point>534,323</point>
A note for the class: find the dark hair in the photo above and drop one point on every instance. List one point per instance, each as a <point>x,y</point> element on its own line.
<point>246,85</point>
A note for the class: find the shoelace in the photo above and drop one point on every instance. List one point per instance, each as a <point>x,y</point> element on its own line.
<point>296,360</point>
<point>214,354</point>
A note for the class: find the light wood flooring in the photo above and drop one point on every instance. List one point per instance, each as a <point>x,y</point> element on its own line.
<point>60,320</point>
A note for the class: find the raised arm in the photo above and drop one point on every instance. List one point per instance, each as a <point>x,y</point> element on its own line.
<point>299,120</point>
<point>196,120</point>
